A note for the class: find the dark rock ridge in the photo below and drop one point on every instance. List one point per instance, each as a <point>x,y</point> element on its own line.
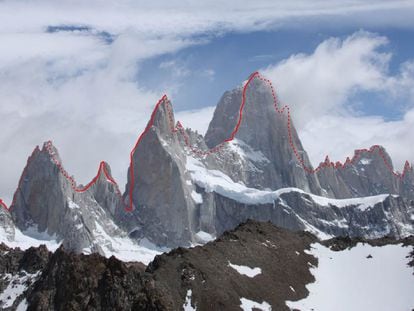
<point>67,281</point>
<point>204,277</point>
<point>20,269</point>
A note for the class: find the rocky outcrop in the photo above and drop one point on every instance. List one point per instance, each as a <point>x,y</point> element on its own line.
<point>201,277</point>
<point>18,271</point>
<point>256,261</point>
<point>78,282</point>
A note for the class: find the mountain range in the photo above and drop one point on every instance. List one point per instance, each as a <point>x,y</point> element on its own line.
<point>185,188</point>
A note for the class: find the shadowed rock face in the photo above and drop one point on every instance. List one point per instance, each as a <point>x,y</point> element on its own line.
<point>367,175</point>
<point>106,193</point>
<point>161,198</point>
<point>42,194</point>
<point>46,203</point>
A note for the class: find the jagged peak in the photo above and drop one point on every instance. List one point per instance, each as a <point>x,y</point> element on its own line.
<point>163,116</point>
<point>375,153</point>
<point>51,151</point>
<point>104,172</point>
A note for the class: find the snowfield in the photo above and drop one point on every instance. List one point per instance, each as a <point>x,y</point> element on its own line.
<point>121,247</point>
<point>351,280</point>
<point>248,305</point>
<point>18,283</point>
<point>29,238</point>
<point>217,181</point>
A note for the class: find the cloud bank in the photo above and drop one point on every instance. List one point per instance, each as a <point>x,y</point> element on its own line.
<point>68,69</point>
<point>320,88</point>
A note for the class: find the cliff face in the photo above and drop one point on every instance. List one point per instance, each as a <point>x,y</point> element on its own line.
<point>161,197</point>
<point>263,131</point>
<point>369,172</point>
<point>46,203</point>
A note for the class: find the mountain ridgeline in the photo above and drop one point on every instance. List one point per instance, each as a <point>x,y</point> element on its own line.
<point>181,196</point>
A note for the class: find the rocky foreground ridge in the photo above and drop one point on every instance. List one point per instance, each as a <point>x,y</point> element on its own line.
<point>201,278</point>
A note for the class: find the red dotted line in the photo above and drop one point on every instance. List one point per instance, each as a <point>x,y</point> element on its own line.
<point>179,128</point>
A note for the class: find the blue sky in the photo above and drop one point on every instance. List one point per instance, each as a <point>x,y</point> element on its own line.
<point>87,74</point>
<point>203,72</point>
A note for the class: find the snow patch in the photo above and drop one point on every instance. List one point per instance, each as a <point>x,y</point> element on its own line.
<point>198,199</point>
<point>22,305</point>
<point>29,238</point>
<point>365,161</point>
<point>248,305</point>
<point>204,237</point>
<point>217,181</point>
<point>34,232</point>
<point>123,248</point>
<point>72,205</point>
<point>348,280</point>
<point>18,283</point>
<point>187,304</point>
<point>246,152</point>
<point>245,270</point>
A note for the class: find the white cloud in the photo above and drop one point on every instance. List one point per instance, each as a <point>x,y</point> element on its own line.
<point>209,74</point>
<point>198,119</point>
<point>320,88</point>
